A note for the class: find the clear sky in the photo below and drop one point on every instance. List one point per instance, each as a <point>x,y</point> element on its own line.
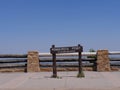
<point>37,24</point>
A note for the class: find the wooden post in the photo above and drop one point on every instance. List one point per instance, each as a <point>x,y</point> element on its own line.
<point>54,66</point>
<point>79,60</point>
<point>54,63</point>
<point>80,73</point>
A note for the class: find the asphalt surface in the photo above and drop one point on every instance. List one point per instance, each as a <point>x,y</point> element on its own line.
<point>66,81</point>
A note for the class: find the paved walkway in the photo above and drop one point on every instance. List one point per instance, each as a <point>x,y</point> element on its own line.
<point>68,81</point>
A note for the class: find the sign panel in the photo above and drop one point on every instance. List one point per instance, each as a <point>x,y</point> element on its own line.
<point>66,49</point>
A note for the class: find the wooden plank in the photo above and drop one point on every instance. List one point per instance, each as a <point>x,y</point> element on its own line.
<point>115,65</point>
<point>13,56</point>
<point>13,66</point>
<point>114,53</point>
<point>13,61</point>
<point>114,59</point>
<point>68,54</point>
<point>90,65</point>
<point>66,60</point>
<point>76,54</point>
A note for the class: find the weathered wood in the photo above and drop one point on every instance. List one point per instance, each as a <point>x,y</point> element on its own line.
<point>63,66</point>
<point>13,56</point>
<point>114,53</point>
<point>79,62</point>
<point>54,66</point>
<point>13,61</point>
<point>12,66</point>
<point>115,65</point>
<point>68,54</point>
<point>67,60</point>
<point>76,54</point>
<point>55,50</point>
<point>114,59</point>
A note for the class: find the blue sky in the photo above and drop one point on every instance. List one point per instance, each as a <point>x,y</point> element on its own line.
<point>37,24</point>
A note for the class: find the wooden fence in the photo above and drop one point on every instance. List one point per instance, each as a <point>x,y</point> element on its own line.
<point>69,60</point>
<point>13,62</point>
<point>114,57</point>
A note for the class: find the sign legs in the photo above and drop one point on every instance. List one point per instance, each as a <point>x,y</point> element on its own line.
<point>80,71</point>
<point>54,50</point>
<point>54,66</point>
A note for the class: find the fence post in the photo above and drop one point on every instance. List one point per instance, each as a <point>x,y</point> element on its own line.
<point>103,62</point>
<point>33,61</point>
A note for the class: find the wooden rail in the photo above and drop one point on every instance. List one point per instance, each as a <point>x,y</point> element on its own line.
<point>114,61</point>
<point>12,66</point>
<point>114,53</point>
<point>68,54</point>
<point>66,60</point>
<point>8,61</point>
<point>62,66</point>
<point>76,54</point>
<point>13,56</point>
<point>15,60</point>
<point>47,58</point>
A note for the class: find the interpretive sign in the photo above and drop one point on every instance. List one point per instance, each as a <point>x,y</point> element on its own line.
<point>56,50</point>
<point>71,49</point>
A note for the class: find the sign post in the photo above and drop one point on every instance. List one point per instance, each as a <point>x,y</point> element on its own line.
<point>54,62</point>
<point>80,73</point>
<point>55,50</point>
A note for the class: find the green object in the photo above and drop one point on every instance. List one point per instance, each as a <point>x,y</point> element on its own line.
<point>56,77</point>
<point>81,75</point>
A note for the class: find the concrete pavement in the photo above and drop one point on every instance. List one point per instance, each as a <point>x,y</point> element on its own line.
<point>68,81</point>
